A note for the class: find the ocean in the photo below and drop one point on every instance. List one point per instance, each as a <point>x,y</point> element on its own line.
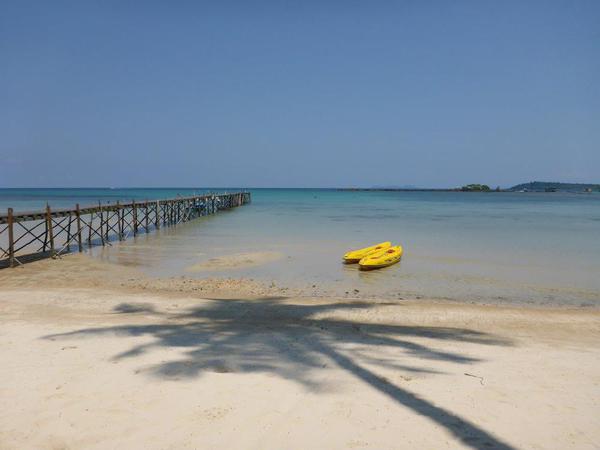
<point>534,248</point>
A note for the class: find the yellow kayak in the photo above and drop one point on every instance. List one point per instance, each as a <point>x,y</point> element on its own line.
<point>381,258</point>
<point>355,256</point>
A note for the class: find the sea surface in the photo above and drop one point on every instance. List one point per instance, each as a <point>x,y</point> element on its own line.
<point>533,248</point>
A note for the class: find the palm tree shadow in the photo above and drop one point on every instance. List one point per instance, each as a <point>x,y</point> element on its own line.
<point>294,341</point>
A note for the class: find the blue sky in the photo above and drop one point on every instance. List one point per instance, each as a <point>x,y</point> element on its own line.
<point>313,93</point>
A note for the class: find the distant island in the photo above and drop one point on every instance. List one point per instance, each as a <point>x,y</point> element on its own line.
<point>533,186</point>
<point>551,186</point>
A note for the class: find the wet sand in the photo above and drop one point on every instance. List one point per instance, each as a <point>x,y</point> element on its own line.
<point>241,260</point>
<point>100,356</point>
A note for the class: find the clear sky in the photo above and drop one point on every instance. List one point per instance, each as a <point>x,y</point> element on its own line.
<point>306,93</point>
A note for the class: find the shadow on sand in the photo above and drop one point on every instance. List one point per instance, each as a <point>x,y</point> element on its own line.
<point>295,340</point>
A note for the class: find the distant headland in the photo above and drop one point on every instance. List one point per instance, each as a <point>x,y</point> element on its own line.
<point>533,186</point>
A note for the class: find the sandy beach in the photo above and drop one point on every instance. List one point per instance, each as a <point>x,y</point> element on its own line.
<point>116,360</point>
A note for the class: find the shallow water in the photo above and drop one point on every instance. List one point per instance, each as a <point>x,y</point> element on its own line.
<point>500,247</point>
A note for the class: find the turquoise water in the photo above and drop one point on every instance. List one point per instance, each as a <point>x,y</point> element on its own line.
<point>499,247</point>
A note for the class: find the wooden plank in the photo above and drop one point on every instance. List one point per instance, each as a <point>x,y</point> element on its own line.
<point>46,233</point>
<point>157,218</point>
<point>11,238</point>
<point>90,226</point>
<point>69,233</point>
<point>78,216</point>
<point>50,229</point>
<point>102,224</point>
<point>119,222</point>
<point>135,217</point>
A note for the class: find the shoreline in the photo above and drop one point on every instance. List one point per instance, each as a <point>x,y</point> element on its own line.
<point>83,271</point>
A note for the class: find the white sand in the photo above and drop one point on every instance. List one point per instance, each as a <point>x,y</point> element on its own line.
<point>116,363</point>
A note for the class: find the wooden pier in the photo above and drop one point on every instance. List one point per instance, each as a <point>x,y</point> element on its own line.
<point>51,232</point>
